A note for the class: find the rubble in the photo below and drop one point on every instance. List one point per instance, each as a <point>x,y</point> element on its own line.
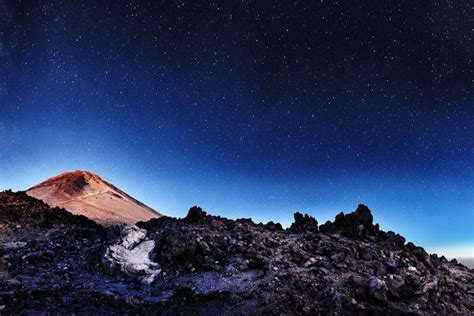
<point>52,262</point>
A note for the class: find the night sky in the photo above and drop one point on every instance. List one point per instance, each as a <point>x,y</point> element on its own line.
<point>250,108</point>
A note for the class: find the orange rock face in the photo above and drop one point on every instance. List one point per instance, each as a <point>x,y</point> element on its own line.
<point>84,193</point>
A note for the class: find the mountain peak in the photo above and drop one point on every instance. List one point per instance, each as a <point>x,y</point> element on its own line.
<point>81,173</point>
<point>71,176</point>
<point>85,193</point>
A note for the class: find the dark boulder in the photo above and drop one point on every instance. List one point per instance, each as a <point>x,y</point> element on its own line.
<point>361,216</point>
<point>304,223</point>
<point>410,246</point>
<point>273,226</point>
<point>420,254</point>
<point>396,239</point>
<point>355,224</point>
<point>195,215</point>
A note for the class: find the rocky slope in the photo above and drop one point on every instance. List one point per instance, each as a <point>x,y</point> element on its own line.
<point>84,193</point>
<point>55,262</point>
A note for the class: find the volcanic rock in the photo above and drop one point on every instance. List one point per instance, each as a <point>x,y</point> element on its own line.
<point>195,214</point>
<point>84,193</point>
<point>304,223</point>
<point>356,224</point>
<point>53,262</point>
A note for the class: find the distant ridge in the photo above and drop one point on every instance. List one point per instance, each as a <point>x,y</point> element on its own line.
<point>84,193</point>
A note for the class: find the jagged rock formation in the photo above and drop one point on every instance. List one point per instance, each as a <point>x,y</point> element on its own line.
<point>85,193</point>
<point>357,224</point>
<point>55,262</point>
<point>304,223</point>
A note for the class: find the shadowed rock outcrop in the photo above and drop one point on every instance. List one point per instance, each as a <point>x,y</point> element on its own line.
<point>195,215</point>
<point>356,224</point>
<point>304,223</point>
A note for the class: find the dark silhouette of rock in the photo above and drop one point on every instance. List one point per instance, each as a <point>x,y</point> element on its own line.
<point>396,239</point>
<point>304,223</point>
<point>356,224</point>
<point>273,226</point>
<point>195,214</point>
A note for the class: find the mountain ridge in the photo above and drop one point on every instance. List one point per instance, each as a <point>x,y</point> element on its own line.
<point>85,193</point>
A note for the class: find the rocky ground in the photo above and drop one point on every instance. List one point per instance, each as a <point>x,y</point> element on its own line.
<point>54,262</point>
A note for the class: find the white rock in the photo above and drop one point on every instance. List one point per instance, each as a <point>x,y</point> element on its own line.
<point>14,244</point>
<point>131,256</point>
<point>131,235</point>
<point>310,262</point>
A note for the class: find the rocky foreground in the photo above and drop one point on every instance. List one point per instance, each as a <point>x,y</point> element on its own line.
<point>54,262</point>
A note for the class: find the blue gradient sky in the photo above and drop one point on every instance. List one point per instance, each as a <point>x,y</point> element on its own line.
<point>249,110</point>
<point>435,213</point>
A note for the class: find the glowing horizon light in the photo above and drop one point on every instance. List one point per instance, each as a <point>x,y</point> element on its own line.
<point>455,251</point>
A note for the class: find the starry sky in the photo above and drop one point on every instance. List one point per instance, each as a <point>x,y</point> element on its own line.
<point>250,108</point>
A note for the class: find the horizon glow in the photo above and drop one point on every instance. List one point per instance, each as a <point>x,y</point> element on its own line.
<point>247,116</point>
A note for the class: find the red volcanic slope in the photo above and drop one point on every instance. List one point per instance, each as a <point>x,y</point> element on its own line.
<point>84,193</point>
